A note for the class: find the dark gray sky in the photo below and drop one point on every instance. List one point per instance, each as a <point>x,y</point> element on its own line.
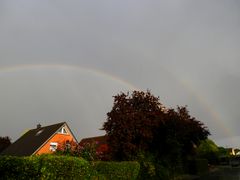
<point>64,60</point>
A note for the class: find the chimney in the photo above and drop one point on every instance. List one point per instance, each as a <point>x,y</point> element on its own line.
<point>39,126</point>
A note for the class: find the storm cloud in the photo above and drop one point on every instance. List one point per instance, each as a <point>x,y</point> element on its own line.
<point>186,52</point>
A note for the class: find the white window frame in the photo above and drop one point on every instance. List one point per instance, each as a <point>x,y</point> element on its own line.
<point>61,131</point>
<point>53,146</point>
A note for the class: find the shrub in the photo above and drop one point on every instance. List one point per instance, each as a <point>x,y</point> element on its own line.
<point>152,168</point>
<point>147,165</point>
<point>208,150</point>
<point>117,170</point>
<point>198,166</point>
<point>88,151</point>
<point>44,167</point>
<point>17,168</point>
<point>63,167</point>
<point>10,167</point>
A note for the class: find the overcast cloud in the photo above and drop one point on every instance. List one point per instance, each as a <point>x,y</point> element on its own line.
<point>186,52</point>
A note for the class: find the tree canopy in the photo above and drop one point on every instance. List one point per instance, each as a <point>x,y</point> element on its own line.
<point>209,150</point>
<point>139,122</point>
<point>4,143</point>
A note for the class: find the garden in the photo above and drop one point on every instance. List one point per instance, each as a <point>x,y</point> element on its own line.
<point>145,140</point>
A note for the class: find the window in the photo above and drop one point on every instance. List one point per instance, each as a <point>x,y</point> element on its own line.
<point>67,145</point>
<point>39,132</point>
<point>62,131</point>
<point>53,146</point>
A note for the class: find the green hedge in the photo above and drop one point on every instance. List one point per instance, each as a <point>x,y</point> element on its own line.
<point>44,167</point>
<point>117,170</point>
<point>17,168</point>
<point>64,167</point>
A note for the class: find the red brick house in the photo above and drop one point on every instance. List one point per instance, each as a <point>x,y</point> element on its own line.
<point>41,140</point>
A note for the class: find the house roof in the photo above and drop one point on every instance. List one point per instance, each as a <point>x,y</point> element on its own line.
<point>98,139</point>
<point>32,140</point>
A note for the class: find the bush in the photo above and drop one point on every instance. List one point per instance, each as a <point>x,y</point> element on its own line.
<point>152,168</point>
<point>208,150</point>
<point>117,170</point>
<point>17,168</point>
<point>147,165</point>
<point>63,167</point>
<point>44,167</point>
<point>198,166</point>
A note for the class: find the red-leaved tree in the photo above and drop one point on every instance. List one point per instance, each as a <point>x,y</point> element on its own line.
<point>139,123</point>
<point>132,123</point>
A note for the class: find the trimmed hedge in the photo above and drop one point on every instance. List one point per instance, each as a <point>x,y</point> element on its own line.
<point>44,167</point>
<point>117,170</point>
<point>64,167</point>
<point>17,168</point>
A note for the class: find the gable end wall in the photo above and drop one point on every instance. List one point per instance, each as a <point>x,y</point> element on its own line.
<point>58,138</point>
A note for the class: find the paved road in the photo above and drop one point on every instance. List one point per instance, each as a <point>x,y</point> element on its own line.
<point>223,173</point>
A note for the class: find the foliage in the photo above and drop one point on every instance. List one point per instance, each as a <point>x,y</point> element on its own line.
<point>138,122</point>
<point>153,168</point>
<point>117,170</point>
<point>44,167</point>
<point>140,128</point>
<point>4,143</point>
<point>93,151</point>
<point>67,148</point>
<point>88,151</point>
<point>64,167</point>
<point>197,166</point>
<point>209,150</point>
<point>132,123</point>
<point>17,168</point>
<point>147,165</point>
<point>184,130</point>
<point>102,152</point>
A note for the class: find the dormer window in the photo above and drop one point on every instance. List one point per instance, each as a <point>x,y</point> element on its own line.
<point>62,131</point>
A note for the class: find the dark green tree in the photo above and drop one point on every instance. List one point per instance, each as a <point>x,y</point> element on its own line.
<point>209,150</point>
